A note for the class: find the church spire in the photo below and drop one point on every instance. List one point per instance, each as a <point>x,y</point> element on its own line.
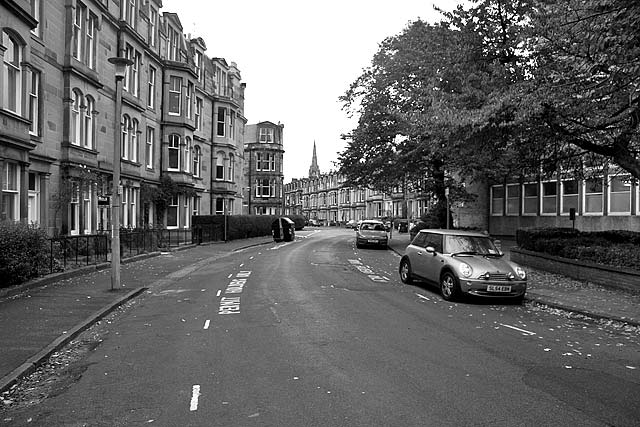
<point>314,170</point>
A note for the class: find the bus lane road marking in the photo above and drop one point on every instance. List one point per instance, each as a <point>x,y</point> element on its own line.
<point>231,304</point>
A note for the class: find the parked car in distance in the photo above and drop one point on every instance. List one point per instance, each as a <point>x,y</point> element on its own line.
<point>352,223</point>
<point>460,263</point>
<point>371,233</point>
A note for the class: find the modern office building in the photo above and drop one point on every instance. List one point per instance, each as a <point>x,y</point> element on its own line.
<point>180,131</point>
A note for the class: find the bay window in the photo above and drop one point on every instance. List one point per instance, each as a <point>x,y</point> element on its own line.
<point>222,113</point>
<point>220,166</point>
<point>174,152</point>
<point>175,94</point>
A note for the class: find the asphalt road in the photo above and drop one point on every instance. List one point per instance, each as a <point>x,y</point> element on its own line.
<point>318,333</point>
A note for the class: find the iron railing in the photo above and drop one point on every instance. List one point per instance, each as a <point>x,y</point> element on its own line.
<point>91,249</point>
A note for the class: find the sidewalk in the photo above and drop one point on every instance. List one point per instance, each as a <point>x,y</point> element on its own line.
<point>40,317</point>
<point>564,293</point>
<point>36,321</point>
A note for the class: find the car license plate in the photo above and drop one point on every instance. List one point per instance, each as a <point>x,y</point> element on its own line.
<point>498,288</point>
<point>372,241</point>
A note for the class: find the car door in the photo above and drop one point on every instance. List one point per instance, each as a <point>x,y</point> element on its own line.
<point>432,261</point>
<point>417,253</point>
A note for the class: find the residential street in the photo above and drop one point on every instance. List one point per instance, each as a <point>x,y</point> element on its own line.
<point>318,333</point>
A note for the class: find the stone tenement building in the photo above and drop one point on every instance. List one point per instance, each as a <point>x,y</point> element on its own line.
<point>263,152</point>
<point>181,128</point>
<point>324,197</point>
<point>608,202</point>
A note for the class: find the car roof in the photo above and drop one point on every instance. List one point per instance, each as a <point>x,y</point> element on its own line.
<point>371,221</point>
<point>453,232</point>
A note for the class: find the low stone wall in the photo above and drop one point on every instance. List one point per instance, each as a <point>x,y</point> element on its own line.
<point>604,275</point>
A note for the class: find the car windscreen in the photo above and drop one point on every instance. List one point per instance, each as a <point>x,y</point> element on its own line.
<point>470,244</point>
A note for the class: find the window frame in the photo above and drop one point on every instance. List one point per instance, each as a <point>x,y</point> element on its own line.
<point>36,11</point>
<point>586,193</point>
<point>34,103</point>
<point>76,118</point>
<point>11,186</point>
<point>151,87</point>
<point>198,114</point>
<point>574,196</point>
<point>196,161</point>
<point>149,143</point>
<point>12,76</point>
<point>175,94</point>
<point>173,146</point>
<point>88,124</point>
<point>543,195</point>
<point>494,200</point>
<point>610,194</point>
<point>219,171</point>
<point>221,122</point>
<point>266,135</point>
<point>33,203</point>
<point>526,198</point>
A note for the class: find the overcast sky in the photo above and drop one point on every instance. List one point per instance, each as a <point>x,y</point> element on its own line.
<point>297,57</point>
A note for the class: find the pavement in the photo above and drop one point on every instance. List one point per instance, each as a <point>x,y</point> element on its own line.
<point>42,316</point>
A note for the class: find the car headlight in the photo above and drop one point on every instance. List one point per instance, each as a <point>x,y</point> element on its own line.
<point>465,270</point>
<point>521,273</point>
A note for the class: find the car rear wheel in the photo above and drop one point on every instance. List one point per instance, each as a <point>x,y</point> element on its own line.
<point>449,286</point>
<point>405,272</point>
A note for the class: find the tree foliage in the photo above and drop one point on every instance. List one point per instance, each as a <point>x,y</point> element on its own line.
<point>587,78</point>
<point>505,88</point>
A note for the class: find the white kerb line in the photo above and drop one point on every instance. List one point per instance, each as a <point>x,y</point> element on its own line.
<point>517,329</point>
<point>195,394</point>
<point>219,292</point>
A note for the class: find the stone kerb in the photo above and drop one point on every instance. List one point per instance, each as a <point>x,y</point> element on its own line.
<point>613,277</point>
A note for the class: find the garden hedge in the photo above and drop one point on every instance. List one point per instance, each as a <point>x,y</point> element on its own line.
<point>618,248</point>
<point>24,253</point>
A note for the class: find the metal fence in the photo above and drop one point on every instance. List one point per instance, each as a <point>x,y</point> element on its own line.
<point>91,249</point>
<point>77,251</point>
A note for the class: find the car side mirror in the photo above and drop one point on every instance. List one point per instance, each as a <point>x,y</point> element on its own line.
<point>430,249</point>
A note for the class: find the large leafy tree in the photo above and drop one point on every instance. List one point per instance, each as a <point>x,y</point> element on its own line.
<point>433,107</point>
<point>504,88</point>
<point>585,89</point>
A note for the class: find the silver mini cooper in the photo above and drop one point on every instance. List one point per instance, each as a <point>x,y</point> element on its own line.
<point>462,262</point>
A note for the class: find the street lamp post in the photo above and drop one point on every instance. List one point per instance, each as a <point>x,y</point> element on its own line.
<point>120,66</point>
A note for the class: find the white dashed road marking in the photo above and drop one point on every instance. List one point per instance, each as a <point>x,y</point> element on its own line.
<point>195,395</point>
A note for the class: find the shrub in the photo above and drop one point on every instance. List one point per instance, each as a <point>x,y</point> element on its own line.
<point>619,248</point>
<point>299,220</point>
<point>24,253</point>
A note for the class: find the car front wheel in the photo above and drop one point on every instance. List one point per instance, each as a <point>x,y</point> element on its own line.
<point>449,287</point>
<point>405,272</point>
